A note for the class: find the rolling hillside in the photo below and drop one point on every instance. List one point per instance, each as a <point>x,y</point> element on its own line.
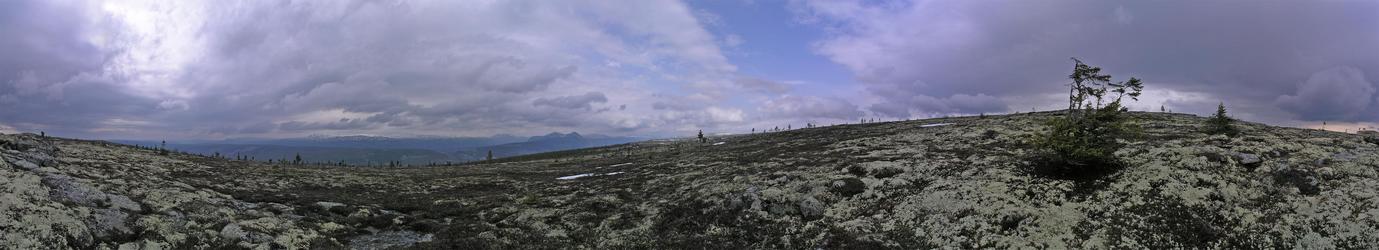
<point>386,151</point>
<point>540,144</point>
<point>936,183</point>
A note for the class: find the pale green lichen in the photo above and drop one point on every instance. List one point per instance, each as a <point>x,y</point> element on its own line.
<point>881,185</point>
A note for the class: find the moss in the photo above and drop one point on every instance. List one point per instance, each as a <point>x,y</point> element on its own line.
<point>1164,222</point>
<point>1304,181</point>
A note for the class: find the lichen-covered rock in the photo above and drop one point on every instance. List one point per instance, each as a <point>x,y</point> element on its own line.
<point>32,219</point>
<point>811,208</point>
<point>110,224</point>
<point>389,239</point>
<point>893,185</point>
<point>233,232</point>
<point>333,207</point>
<point>67,189</point>
<point>123,202</point>
<point>1247,159</point>
<point>93,195</point>
<point>848,186</point>
<point>25,165</point>
<point>26,142</point>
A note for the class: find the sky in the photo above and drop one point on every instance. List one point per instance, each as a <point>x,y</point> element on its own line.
<point>657,68</point>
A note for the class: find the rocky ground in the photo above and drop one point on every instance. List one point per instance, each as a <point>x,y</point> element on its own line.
<point>902,185</point>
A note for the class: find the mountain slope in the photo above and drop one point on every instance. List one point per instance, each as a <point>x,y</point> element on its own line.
<point>350,156</point>
<point>375,150</point>
<point>353,150</point>
<point>898,185</point>
<point>540,144</point>
<point>438,144</point>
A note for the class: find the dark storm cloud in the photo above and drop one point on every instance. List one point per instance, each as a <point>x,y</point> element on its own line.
<point>72,106</point>
<point>51,74</point>
<point>45,42</point>
<point>1261,55</point>
<point>1335,94</point>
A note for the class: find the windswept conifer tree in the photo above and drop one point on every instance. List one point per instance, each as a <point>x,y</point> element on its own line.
<point>1082,143</point>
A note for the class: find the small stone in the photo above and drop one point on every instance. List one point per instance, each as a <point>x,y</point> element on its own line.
<point>1250,160</point>
<point>848,186</point>
<point>233,232</point>
<point>280,208</point>
<point>335,207</point>
<point>811,208</point>
<point>66,188</point>
<point>129,246</point>
<point>25,165</point>
<point>754,196</point>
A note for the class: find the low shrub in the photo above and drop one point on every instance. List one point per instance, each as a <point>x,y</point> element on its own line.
<point>1082,143</point>
<point>1220,124</point>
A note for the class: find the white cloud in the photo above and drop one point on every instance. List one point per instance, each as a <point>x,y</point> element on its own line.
<point>762,85</point>
<point>811,107</point>
<point>725,115</point>
<point>917,55</point>
<point>732,40</point>
<point>584,101</point>
<point>174,105</point>
<point>6,129</point>
<point>1123,16</point>
<point>447,68</point>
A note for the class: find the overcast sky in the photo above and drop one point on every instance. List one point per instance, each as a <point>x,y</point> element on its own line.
<point>220,69</point>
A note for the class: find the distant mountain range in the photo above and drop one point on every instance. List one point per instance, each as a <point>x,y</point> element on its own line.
<point>379,150</point>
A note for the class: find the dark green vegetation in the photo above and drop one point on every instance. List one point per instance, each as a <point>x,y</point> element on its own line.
<point>1220,123</point>
<point>897,185</point>
<point>1082,143</point>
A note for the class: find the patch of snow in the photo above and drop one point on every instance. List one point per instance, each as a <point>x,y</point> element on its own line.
<point>572,177</point>
<point>619,165</point>
<point>935,125</point>
<point>719,143</point>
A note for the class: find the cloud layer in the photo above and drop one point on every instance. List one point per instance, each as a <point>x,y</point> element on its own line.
<point>1275,59</point>
<point>209,69</point>
<point>186,69</point>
